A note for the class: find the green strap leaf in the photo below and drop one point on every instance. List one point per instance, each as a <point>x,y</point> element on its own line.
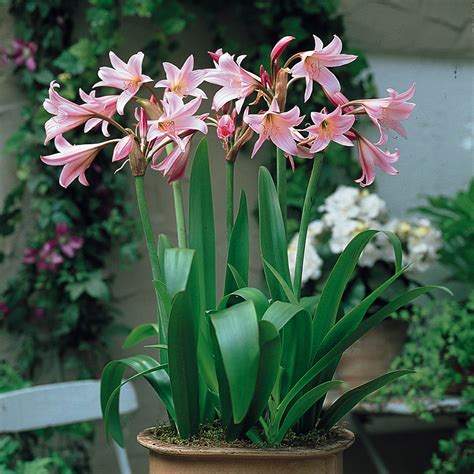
<point>183,333</point>
<point>348,323</point>
<point>259,300</point>
<point>301,406</point>
<point>237,335</point>
<point>177,266</point>
<point>287,290</point>
<point>139,333</point>
<point>294,322</point>
<point>201,222</point>
<point>345,403</point>
<point>238,280</point>
<point>333,290</point>
<point>112,376</point>
<point>272,235</point>
<point>239,248</point>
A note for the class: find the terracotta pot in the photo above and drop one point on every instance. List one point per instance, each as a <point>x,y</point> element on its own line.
<point>373,353</point>
<point>172,459</point>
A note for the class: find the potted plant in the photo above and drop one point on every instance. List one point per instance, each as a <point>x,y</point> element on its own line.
<point>343,214</point>
<point>259,362</point>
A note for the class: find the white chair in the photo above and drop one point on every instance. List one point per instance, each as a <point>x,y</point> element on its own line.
<point>59,404</point>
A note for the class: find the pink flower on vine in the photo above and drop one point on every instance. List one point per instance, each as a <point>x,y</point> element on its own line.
<point>314,64</point>
<point>387,113</point>
<point>371,157</point>
<point>69,244</point>
<point>275,126</point>
<point>75,158</point>
<point>184,81</point>
<point>29,255</point>
<point>177,118</point>
<point>22,53</point>
<point>329,127</point>
<point>68,115</point>
<point>125,76</point>
<point>4,309</point>
<point>236,82</point>
<point>49,257</point>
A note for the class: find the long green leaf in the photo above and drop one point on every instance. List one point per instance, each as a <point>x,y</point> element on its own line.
<point>163,244</point>
<point>268,369</point>
<point>347,341</point>
<point>294,322</point>
<point>183,334</point>
<point>333,290</point>
<point>112,376</point>
<point>239,248</point>
<point>351,320</point>
<point>350,399</point>
<point>177,265</point>
<point>237,335</point>
<point>238,280</point>
<point>139,333</point>
<point>287,290</point>
<point>302,405</point>
<point>272,235</point>
<point>259,300</point>
<point>201,222</point>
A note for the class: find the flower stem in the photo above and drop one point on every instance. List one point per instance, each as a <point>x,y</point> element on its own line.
<point>179,210</point>
<point>147,228</point>
<point>281,185</point>
<point>230,197</point>
<point>307,206</point>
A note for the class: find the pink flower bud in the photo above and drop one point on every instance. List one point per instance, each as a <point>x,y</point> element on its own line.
<point>265,77</point>
<point>280,47</point>
<point>225,127</point>
<point>216,55</point>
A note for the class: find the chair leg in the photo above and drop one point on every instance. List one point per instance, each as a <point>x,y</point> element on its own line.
<point>122,459</point>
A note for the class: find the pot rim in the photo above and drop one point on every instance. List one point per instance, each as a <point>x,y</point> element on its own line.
<point>150,441</point>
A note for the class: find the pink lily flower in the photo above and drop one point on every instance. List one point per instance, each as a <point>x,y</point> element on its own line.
<point>225,127</point>
<point>127,77</point>
<point>278,49</point>
<point>216,55</point>
<point>75,158</point>
<point>123,148</point>
<point>386,113</point>
<point>174,164</point>
<point>236,82</point>
<point>370,157</point>
<point>68,115</point>
<point>177,117</point>
<point>313,65</point>
<point>184,81</point>
<point>329,127</point>
<point>275,126</point>
<point>105,105</point>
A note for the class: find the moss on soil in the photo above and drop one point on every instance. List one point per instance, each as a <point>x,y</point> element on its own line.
<point>212,435</point>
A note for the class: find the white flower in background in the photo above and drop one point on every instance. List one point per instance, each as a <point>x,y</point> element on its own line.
<point>370,255</point>
<point>342,233</point>
<point>312,263</point>
<point>316,228</point>
<point>423,244</point>
<point>342,204</point>
<point>371,206</point>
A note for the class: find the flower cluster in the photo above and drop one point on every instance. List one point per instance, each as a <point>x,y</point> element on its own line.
<point>349,211</point>
<point>51,254</point>
<point>168,121</point>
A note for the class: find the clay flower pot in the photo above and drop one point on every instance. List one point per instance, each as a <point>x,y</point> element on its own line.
<point>173,459</point>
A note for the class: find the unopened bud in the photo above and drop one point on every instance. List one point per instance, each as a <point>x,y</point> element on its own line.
<point>137,160</point>
<point>153,110</point>
<point>265,77</point>
<point>281,88</point>
<point>280,47</point>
